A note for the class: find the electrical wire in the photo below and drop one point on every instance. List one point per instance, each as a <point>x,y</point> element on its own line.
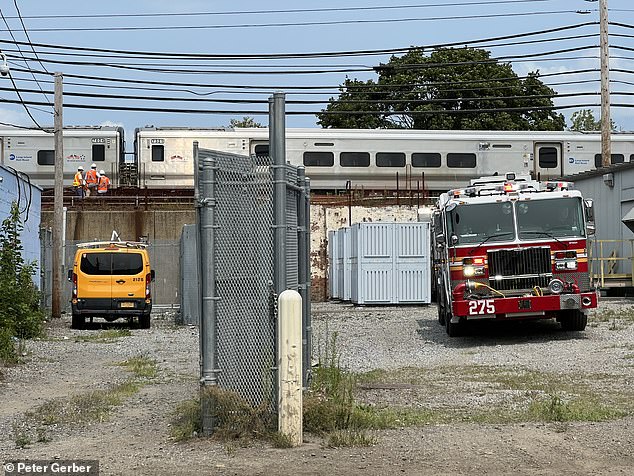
<point>304,10</point>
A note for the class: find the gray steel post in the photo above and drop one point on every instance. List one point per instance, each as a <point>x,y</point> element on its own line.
<point>277,134</point>
<point>308,323</point>
<point>206,213</point>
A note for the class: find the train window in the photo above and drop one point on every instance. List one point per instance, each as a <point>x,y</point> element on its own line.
<point>158,153</point>
<point>354,159</point>
<point>319,159</point>
<point>461,160</point>
<point>390,159</point>
<point>45,157</point>
<point>98,152</point>
<point>614,158</point>
<point>426,159</point>
<point>261,150</point>
<point>548,157</point>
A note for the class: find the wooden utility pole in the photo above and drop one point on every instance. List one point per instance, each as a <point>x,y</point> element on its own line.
<point>58,201</point>
<point>606,123</point>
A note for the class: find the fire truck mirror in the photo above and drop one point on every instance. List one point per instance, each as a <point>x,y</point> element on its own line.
<point>453,240</point>
<point>589,208</point>
<point>440,238</point>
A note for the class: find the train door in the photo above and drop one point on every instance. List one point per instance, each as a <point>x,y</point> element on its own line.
<point>547,160</point>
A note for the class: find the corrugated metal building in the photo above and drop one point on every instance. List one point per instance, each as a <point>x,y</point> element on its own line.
<point>16,187</point>
<point>612,190</point>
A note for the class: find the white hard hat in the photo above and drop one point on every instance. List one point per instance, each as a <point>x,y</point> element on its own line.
<point>93,166</point>
<point>101,172</point>
<point>80,168</point>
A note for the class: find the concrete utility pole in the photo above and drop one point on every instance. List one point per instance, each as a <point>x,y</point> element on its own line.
<point>58,201</point>
<point>606,123</point>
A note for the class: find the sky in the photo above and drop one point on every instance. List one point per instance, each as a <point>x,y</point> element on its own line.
<point>244,27</point>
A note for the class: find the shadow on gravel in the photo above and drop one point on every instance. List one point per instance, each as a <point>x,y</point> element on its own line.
<point>487,333</point>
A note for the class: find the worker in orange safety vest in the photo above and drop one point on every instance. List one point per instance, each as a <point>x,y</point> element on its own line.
<point>92,177</point>
<point>104,183</point>
<point>78,182</point>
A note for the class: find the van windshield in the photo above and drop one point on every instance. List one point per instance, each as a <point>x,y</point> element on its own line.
<point>111,263</point>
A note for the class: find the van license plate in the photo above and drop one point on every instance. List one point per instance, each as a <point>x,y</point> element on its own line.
<point>127,304</point>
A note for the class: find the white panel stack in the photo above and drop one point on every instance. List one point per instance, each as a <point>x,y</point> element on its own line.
<point>333,256</point>
<point>382,263</point>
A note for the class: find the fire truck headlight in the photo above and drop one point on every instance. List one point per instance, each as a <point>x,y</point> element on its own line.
<point>468,271</point>
<point>571,264</point>
<point>556,286</point>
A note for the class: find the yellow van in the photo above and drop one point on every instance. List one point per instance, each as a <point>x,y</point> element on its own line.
<point>111,280</point>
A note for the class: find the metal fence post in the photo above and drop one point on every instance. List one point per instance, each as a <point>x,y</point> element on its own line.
<point>206,224</point>
<point>277,140</point>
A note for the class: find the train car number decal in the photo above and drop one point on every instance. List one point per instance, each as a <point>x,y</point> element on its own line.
<point>483,306</point>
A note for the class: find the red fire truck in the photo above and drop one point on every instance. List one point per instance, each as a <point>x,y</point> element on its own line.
<point>507,248</point>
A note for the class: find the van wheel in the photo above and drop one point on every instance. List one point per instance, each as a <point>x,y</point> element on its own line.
<point>144,322</point>
<point>77,322</point>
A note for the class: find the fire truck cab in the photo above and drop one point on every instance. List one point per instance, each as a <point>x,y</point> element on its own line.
<point>508,247</point>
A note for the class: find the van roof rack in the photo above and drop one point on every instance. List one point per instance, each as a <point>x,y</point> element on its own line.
<point>113,244</point>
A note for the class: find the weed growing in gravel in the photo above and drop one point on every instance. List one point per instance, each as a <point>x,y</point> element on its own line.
<point>232,417</point>
<point>557,408</point>
<point>616,317</point>
<point>141,366</point>
<point>350,437</point>
<point>83,408</point>
<point>20,436</point>
<point>104,337</point>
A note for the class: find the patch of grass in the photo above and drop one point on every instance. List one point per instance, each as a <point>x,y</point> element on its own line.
<point>21,436</point>
<point>94,406</point>
<point>558,408</point>
<point>104,337</point>
<point>280,440</point>
<point>349,438</point>
<point>624,314</point>
<point>186,422</point>
<point>232,417</point>
<point>140,366</point>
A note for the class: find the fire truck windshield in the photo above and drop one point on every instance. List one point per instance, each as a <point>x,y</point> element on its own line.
<point>557,217</point>
<point>473,223</point>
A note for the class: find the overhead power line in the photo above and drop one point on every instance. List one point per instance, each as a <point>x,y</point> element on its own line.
<point>305,24</point>
<point>296,10</point>
<point>311,54</point>
<point>310,113</point>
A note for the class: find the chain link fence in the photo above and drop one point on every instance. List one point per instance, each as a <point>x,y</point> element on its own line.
<point>238,268</point>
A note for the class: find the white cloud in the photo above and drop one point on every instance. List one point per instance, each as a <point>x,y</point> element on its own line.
<point>8,116</point>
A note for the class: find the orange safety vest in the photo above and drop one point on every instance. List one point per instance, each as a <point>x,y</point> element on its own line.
<point>91,176</point>
<point>78,179</point>
<point>104,183</point>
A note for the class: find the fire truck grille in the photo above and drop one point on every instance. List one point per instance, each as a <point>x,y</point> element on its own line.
<point>519,268</point>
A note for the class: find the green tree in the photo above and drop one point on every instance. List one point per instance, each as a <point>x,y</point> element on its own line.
<point>583,121</point>
<point>246,121</point>
<point>20,313</point>
<point>439,91</point>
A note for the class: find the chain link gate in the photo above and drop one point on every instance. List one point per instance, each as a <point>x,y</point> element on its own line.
<point>238,300</point>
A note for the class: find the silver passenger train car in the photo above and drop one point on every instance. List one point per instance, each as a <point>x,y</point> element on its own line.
<point>32,152</point>
<point>381,159</point>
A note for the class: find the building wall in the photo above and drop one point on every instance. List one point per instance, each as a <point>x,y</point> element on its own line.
<point>611,204</point>
<point>162,226</point>
<point>28,197</point>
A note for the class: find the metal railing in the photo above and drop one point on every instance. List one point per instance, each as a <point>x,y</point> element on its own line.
<point>609,262</point>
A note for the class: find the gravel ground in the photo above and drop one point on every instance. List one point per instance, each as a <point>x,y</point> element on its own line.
<point>407,361</point>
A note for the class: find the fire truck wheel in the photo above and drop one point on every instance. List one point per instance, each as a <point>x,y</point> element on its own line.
<point>454,329</point>
<point>441,313</point>
<point>573,320</point>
